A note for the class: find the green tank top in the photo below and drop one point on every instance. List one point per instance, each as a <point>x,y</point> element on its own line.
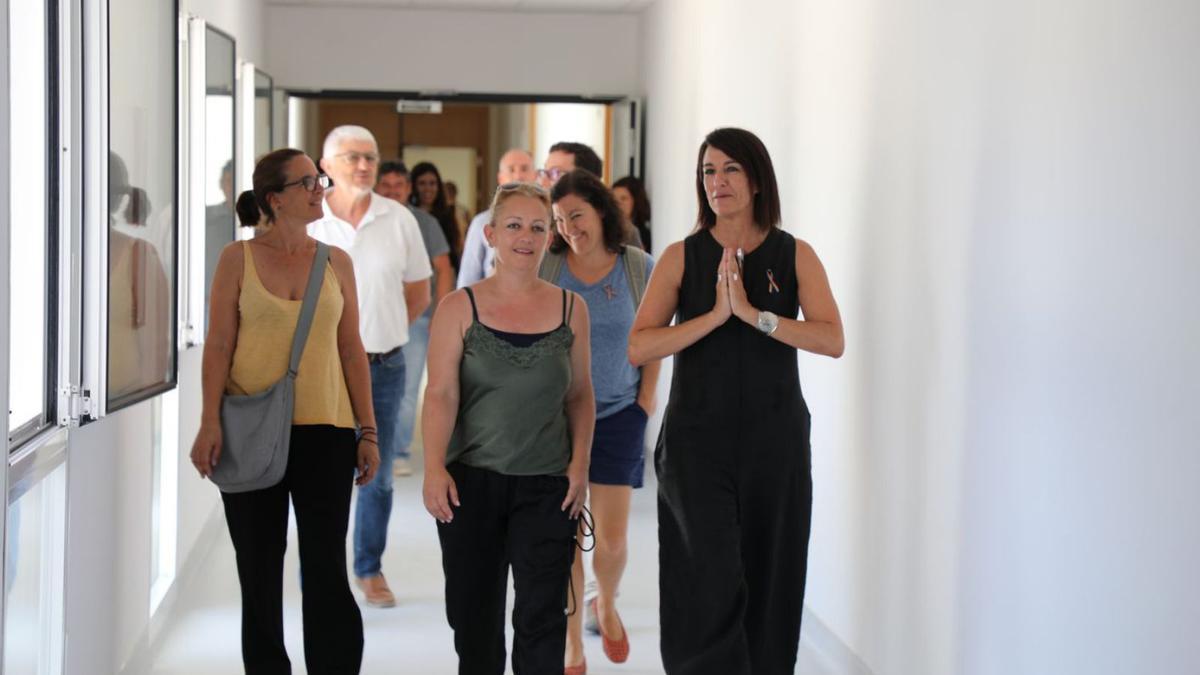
<point>512,416</point>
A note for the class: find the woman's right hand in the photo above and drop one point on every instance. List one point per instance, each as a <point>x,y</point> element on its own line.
<point>722,309</point>
<point>206,451</point>
<point>440,492</point>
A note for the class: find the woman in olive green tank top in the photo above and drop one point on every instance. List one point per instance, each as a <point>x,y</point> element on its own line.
<point>507,423</point>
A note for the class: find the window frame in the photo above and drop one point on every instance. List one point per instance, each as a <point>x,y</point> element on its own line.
<point>99,181</point>
<point>48,416</point>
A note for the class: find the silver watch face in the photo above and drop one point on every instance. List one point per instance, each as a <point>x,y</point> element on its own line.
<point>766,321</point>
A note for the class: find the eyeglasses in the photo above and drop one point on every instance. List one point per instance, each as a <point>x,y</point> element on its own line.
<point>553,174</point>
<point>356,157</point>
<point>310,183</point>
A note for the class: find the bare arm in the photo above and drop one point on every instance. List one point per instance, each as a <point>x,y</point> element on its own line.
<point>355,368</point>
<point>820,330</point>
<point>219,346</point>
<point>652,337</point>
<point>581,409</point>
<point>445,278</point>
<point>440,410</point>
<point>416,298</point>
<point>648,388</point>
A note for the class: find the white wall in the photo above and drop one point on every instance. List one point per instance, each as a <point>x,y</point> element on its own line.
<point>110,480</point>
<point>370,48</point>
<point>1004,196</point>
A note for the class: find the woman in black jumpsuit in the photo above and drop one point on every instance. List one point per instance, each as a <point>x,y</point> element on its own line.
<point>733,458</point>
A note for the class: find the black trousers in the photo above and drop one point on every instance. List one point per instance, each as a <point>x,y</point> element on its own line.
<point>733,528</point>
<point>319,479</point>
<point>508,521</point>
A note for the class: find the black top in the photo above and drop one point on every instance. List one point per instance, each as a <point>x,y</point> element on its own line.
<point>736,383</point>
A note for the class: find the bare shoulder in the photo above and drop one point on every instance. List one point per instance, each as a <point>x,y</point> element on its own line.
<point>232,259</point>
<point>669,264</point>
<point>805,254</point>
<point>340,259</point>
<point>579,315</point>
<point>455,307</point>
<point>671,256</point>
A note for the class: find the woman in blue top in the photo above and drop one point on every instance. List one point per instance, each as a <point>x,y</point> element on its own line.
<point>586,257</point>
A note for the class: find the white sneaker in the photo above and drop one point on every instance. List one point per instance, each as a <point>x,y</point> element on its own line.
<point>401,467</point>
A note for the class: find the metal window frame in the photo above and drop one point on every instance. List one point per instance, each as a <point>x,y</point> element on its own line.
<point>97,134</point>
<point>5,275</point>
<point>47,417</point>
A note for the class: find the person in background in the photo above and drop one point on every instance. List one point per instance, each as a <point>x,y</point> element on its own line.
<point>392,273</point>
<point>220,224</point>
<point>429,195</point>
<point>461,215</point>
<point>565,157</point>
<point>508,421</point>
<point>516,166</point>
<point>257,294</point>
<point>394,184</point>
<point>734,461</point>
<point>587,257</point>
<point>635,205</point>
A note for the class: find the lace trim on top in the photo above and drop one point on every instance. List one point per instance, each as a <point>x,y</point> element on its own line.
<point>557,341</point>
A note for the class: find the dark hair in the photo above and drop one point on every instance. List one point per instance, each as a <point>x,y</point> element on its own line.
<point>269,176</point>
<point>439,209</point>
<point>588,187</point>
<point>585,157</point>
<point>247,209</point>
<point>393,166</point>
<point>641,203</point>
<point>746,149</point>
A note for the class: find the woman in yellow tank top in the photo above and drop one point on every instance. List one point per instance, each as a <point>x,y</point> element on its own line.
<point>257,292</point>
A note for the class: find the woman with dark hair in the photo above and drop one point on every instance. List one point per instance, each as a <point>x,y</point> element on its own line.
<point>587,256</point>
<point>733,458</point>
<point>631,198</point>
<point>429,195</point>
<point>508,425</point>
<point>257,294</point>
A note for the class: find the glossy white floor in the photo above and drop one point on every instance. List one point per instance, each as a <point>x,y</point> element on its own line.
<point>412,638</point>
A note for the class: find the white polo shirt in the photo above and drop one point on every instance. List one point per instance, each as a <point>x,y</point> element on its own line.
<point>387,252</point>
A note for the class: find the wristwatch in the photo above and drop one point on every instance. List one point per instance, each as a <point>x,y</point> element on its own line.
<point>767,322</point>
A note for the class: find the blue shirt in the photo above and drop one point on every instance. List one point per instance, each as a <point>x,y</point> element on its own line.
<point>611,310</point>
<point>477,257</point>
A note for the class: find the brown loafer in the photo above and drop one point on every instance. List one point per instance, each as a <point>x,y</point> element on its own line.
<point>375,591</point>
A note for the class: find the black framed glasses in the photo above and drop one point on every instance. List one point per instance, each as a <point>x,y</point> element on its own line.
<point>310,183</point>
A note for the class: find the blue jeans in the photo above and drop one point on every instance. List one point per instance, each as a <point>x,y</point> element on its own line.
<point>414,360</point>
<point>375,498</point>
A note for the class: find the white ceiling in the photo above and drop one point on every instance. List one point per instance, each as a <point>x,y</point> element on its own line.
<point>606,6</point>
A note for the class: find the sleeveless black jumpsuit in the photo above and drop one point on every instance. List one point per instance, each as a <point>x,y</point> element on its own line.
<point>735,482</point>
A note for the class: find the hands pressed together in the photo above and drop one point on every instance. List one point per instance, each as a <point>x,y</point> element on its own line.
<point>731,291</point>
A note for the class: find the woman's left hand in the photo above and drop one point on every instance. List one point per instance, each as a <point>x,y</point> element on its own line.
<point>368,461</point>
<point>577,486</point>
<point>738,302</point>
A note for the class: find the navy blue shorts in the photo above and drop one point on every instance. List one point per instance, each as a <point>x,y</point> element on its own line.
<point>619,448</point>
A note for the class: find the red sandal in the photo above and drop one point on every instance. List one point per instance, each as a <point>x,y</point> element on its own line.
<point>580,669</point>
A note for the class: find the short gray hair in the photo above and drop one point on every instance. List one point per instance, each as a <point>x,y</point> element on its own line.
<point>346,132</point>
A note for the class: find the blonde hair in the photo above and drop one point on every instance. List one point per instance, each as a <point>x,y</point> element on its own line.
<point>509,190</point>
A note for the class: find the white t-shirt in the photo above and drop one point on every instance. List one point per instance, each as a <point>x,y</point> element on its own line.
<point>387,252</point>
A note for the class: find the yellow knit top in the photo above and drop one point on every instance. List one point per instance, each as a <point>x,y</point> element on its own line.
<point>266,324</point>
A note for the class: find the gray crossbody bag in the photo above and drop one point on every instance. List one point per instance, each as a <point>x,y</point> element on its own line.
<point>257,429</point>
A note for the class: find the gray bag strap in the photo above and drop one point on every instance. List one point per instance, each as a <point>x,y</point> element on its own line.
<point>551,267</point>
<point>635,273</point>
<point>315,277</point>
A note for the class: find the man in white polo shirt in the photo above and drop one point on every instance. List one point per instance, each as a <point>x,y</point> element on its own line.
<point>392,272</point>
